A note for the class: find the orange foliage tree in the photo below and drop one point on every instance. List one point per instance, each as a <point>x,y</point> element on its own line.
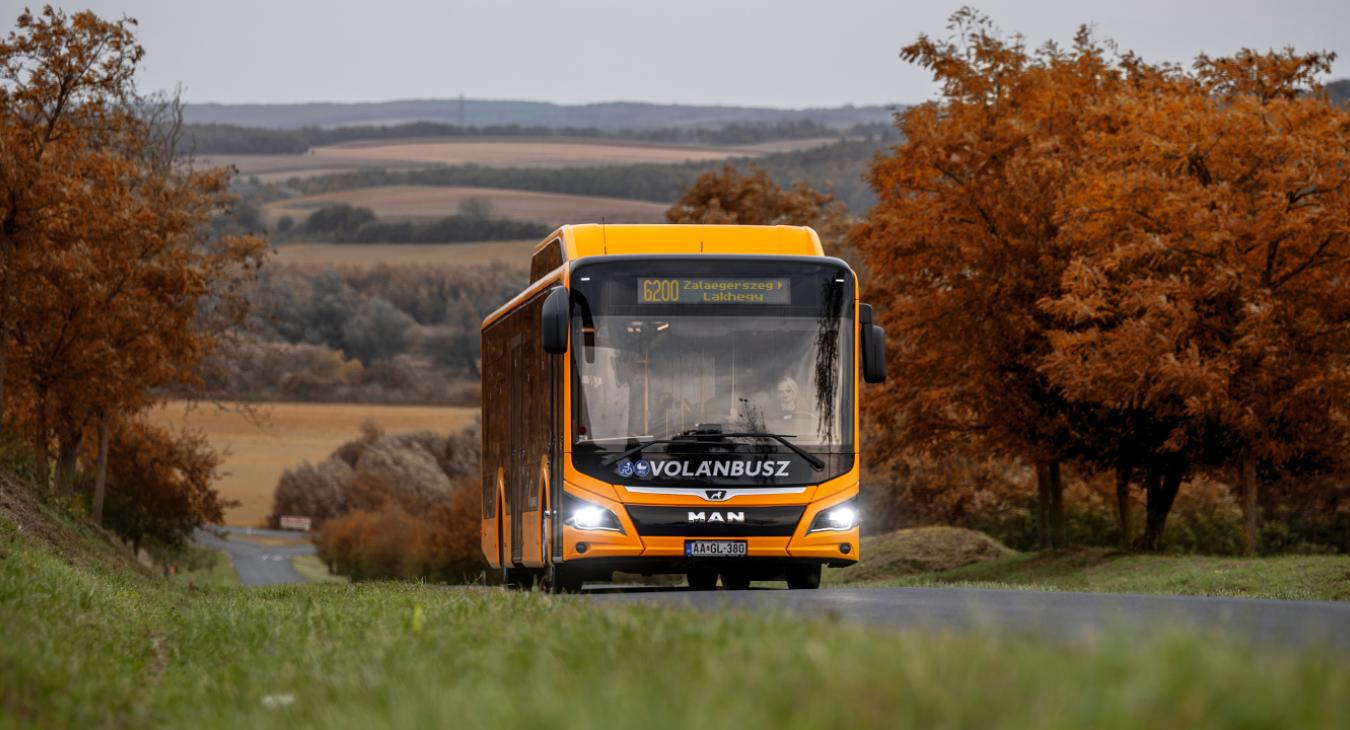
<point>963,244</point>
<point>64,84</point>
<point>1211,239</point>
<point>730,197</point>
<point>112,286</point>
<point>1098,260</point>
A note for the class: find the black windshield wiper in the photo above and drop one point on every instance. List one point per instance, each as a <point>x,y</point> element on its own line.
<point>637,450</point>
<point>782,438</point>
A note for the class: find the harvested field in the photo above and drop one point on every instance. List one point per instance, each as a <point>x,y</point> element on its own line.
<point>399,254</point>
<point>289,434</point>
<point>489,152</point>
<point>429,202</point>
<point>524,152</point>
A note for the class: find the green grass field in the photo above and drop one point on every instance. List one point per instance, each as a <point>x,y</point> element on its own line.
<point>938,557</point>
<point>1295,577</point>
<point>89,646</point>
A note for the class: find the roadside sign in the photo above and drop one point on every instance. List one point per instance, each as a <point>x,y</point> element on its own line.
<point>295,522</point>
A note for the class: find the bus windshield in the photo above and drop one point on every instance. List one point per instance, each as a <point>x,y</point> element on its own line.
<point>681,353</point>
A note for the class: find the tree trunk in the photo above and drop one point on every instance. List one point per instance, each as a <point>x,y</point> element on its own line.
<point>67,451</point>
<point>1123,474</point>
<point>1250,533</point>
<point>1058,536</point>
<point>7,261</point>
<point>1043,503</point>
<point>1163,482</point>
<point>101,470</point>
<point>40,451</point>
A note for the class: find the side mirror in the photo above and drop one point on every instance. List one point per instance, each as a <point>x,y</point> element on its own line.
<point>554,322</point>
<point>873,346</point>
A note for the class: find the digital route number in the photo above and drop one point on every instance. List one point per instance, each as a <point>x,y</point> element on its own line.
<point>719,290</point>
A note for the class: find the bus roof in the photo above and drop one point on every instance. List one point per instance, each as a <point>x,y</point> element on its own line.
<point>593,239</point>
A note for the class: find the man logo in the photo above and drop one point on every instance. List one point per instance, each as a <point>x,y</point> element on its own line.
<point>716,517</point>
<point>715,495</point>
<point>626,469</point>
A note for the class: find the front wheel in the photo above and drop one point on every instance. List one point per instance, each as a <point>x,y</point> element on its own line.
<point>561,579</point>
<point>803,576</point>
<point>517,579</point>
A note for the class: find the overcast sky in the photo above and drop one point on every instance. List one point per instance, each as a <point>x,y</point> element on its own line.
<point>782,53</point>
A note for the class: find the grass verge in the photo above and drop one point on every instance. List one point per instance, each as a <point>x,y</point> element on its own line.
<point>202,567</point>
<point>314,570</point>
<point>84,646</point>
<point>1296,577</point>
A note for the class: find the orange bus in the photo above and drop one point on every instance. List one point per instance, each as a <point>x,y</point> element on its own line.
<point>676,399</point>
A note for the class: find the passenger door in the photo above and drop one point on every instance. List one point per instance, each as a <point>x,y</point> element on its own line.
<point>518,477</point>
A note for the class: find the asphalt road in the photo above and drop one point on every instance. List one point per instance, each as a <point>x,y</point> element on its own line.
<point>257,565</point>
<point>1072,616</point>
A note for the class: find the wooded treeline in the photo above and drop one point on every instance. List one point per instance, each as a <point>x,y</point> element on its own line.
<point>111,286</point>
<point>234,139</point>
<point>387,334</point>
<point>344,223</point>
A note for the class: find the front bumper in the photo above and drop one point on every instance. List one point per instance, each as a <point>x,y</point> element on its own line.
<point>637,549</point>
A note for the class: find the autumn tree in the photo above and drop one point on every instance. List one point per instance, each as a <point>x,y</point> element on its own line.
<point>120,288</point>
<point>730,197</point>
<point>162,484</point>
<point>1211,239</point>
<point>64,86</point>
<point>964,242</point>
<point>126,295</point>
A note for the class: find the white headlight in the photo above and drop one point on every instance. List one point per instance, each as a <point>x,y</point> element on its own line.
<point>588,517</point>
<point>842,518</point>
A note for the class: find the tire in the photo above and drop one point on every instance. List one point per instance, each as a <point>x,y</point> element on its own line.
<point>736,580</point>
<point>517,579</point>
<point>702,580</point>
<point>561,579</point>
<point>803,576</point>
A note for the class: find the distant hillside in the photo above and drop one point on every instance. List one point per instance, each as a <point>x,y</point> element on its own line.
<point>480,112</point>
<point>1339,91</point>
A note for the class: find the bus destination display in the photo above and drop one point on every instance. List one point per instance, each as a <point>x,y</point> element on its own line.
<point>714,290</point>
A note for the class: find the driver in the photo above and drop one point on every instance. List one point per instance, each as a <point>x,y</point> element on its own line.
<point>787,410</point>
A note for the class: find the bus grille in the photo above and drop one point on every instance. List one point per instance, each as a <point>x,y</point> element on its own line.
<point>728,522</point>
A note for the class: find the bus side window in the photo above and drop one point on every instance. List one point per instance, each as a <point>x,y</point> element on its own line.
<point>546,260</point>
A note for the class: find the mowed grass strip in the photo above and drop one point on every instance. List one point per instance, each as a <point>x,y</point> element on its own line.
<point>283,435</point>
<point>432,202</point>
<point>1101,570</point>
<point>87,648</point>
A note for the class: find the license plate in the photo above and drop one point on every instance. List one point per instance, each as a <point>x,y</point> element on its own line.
<point>714,548</point>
